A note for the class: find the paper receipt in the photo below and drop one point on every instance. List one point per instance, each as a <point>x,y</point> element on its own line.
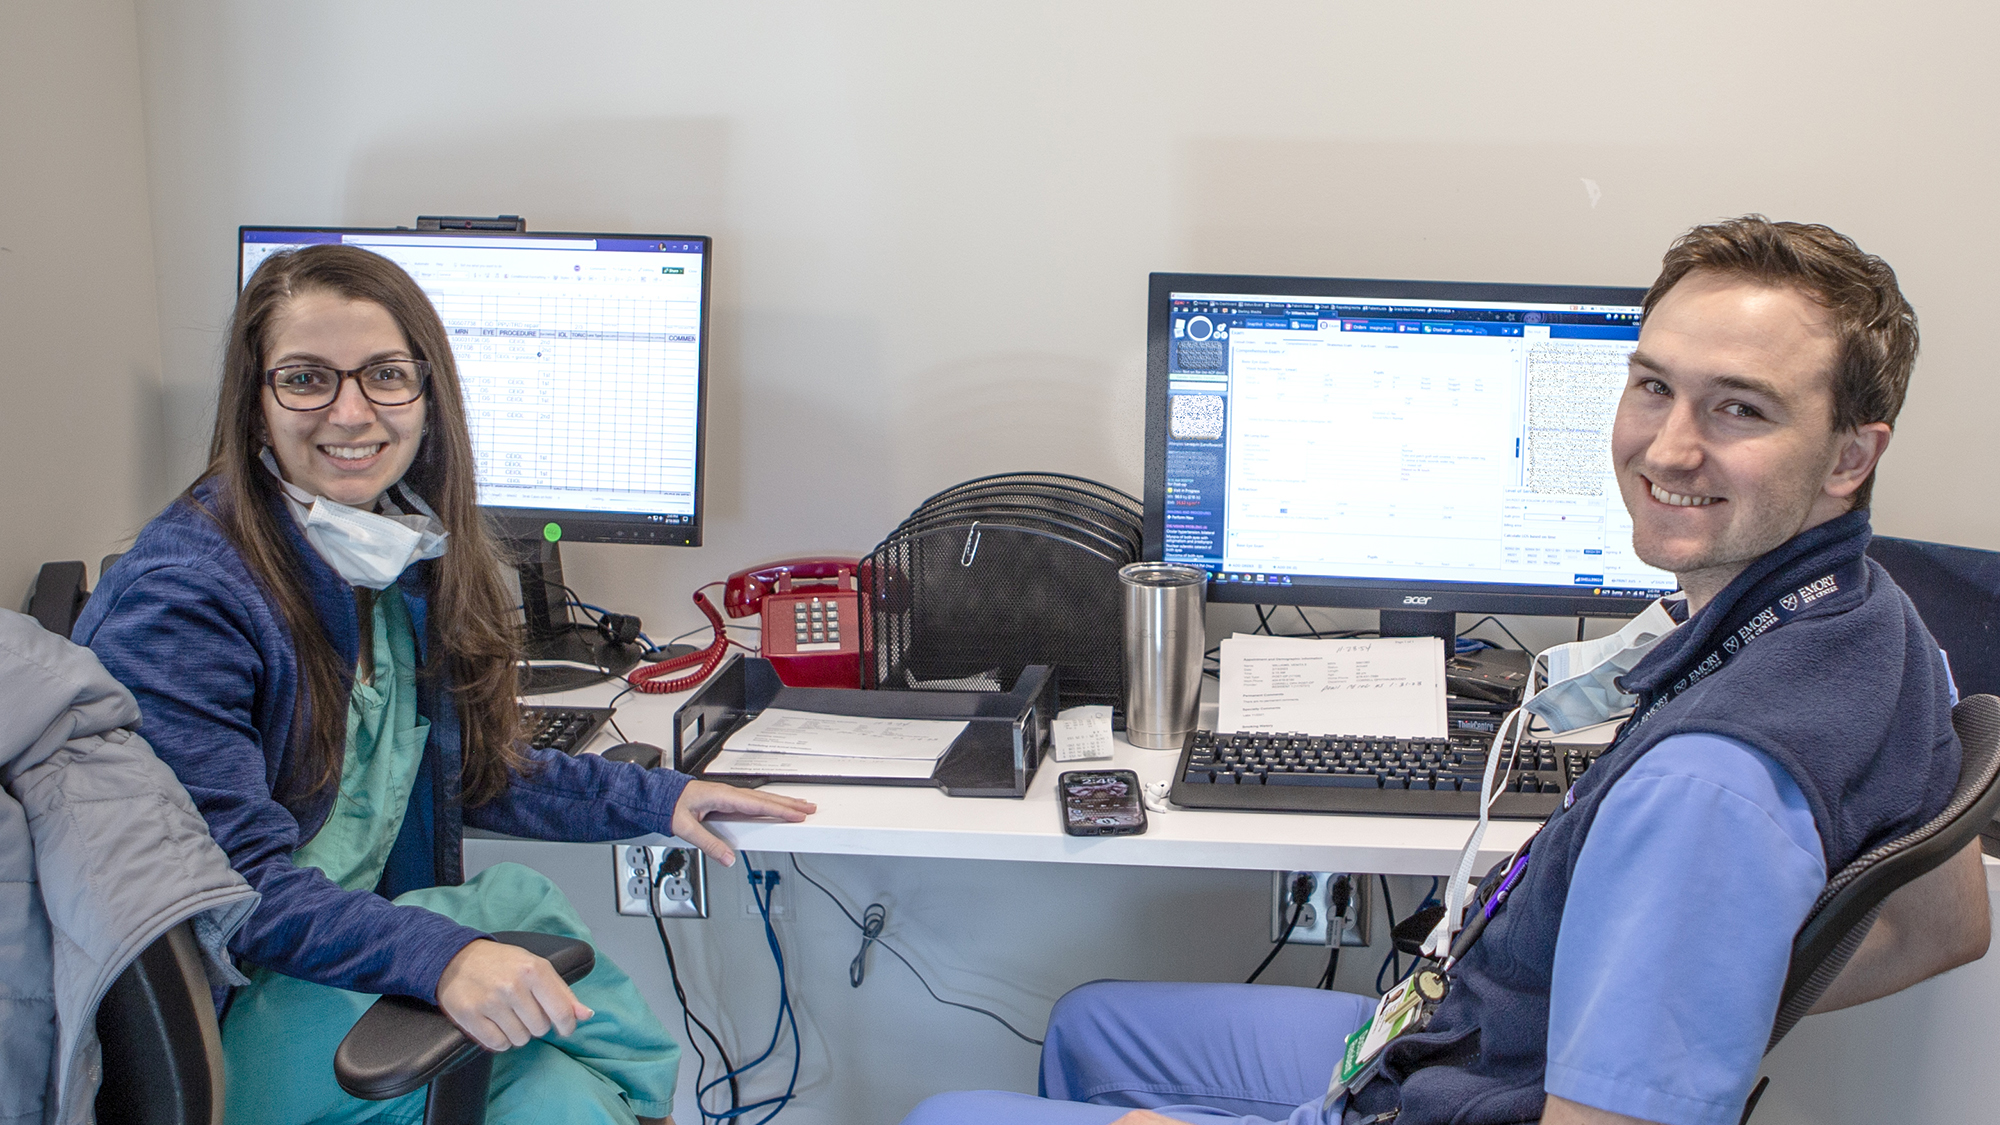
<point>1082,734</point>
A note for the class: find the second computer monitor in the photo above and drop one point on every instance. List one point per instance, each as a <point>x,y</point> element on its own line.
<point>1427,447</point>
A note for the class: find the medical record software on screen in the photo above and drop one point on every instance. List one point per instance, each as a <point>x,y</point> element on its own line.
<point>1311,438</point>
<point>579,358</point>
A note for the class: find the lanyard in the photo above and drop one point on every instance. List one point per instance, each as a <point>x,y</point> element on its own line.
<point>1483,913</point>
<point>1746,628</point>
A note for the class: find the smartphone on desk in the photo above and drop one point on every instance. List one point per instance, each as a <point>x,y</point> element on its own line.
<point>1101,803</point>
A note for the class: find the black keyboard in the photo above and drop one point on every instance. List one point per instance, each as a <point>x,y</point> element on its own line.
<point>567,729</point>
<point>1387,776</point>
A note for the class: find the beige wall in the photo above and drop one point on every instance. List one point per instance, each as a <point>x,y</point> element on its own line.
<point>934,221</point>
<point>79,314</point>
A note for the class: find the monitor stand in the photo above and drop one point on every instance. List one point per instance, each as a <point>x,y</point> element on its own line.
<point>1440,623</point>
<point>552,634</point>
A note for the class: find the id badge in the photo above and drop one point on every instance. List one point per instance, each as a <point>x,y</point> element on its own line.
<point>1404,1008</point>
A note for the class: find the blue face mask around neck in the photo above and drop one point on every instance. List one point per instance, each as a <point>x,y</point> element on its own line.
<point>1582,679</point>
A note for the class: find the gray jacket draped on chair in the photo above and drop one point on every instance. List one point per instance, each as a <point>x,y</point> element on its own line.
<point>101,852</point>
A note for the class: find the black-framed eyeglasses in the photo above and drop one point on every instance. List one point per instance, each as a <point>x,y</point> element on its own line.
<point>314,386</point>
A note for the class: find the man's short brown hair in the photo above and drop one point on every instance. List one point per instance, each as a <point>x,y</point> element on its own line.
<point>1875,326</point>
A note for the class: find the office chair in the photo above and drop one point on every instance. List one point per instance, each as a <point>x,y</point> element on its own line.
<point>1957,593</point>
<point>1841,916</point>
<point>162,1047</point>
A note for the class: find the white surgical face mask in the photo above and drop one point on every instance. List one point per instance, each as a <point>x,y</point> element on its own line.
<point>365,548</point>
<point>1582,676</point>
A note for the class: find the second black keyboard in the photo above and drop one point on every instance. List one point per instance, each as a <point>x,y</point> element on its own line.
<point>568,729</point>
<point>1386,776</point>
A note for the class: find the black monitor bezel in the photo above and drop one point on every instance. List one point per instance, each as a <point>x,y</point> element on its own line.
<point>1360,593</point>
<point>577,525</point>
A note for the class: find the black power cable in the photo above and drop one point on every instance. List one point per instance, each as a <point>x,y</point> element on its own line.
<point>1467,631</point>
<point>872,921</point>
<point>1339,894</point>
<point>1297,909</point>
<point>1332,967</point>
<point>659,876</point>
<point>876,939</point>
<point>1301,894</point>
<point>1308,621</point>
<point>1389,908</point>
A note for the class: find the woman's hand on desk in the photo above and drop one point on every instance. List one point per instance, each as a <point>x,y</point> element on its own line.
<point>503,996</point>
<point>701,798</point>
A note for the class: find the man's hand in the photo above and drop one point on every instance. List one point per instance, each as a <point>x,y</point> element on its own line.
<point>503,996</point>
<point>1937,922</point>
<point>1145,1117</point>
<point>701,798</point>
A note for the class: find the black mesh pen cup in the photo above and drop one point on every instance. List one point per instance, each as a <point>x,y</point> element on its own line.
<point>1165,634</point>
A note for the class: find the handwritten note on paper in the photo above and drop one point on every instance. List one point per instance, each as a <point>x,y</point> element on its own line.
<point>783,743</point>
<point>1388,686</point>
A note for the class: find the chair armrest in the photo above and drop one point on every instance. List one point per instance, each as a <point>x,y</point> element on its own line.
<point>401,1044</point>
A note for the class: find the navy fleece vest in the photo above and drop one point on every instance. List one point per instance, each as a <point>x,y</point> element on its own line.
<point>1849,696</point>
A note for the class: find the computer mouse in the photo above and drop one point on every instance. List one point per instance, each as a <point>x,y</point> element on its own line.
<point>644,753</point>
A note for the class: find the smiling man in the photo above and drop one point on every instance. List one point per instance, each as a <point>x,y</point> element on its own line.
<point>1729,439</point>
<point>1799,716</point>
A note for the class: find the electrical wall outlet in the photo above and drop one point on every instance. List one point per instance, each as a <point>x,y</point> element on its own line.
<point>1313,928</point>
<point>682,892</point>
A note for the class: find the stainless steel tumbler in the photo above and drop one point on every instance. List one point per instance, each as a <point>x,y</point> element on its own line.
<point>1165,634</point>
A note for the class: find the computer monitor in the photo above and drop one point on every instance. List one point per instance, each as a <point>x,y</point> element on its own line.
<point>584,360</point>
<point>1420,448</point>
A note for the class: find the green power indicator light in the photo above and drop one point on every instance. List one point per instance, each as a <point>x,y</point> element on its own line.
<point>552,532</point>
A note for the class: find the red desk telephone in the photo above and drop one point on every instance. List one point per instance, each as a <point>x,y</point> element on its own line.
<point>812,625</point>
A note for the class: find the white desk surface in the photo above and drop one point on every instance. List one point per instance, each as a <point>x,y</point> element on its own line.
<point>913,821</point>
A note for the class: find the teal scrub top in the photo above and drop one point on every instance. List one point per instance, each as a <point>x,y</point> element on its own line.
<point>385,748</point>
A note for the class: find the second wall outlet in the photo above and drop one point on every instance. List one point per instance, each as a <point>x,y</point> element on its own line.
<point>1313,928</point>
<point>679,874</point>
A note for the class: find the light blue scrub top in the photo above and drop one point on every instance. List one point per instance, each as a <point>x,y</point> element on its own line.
<point>1697,873</point>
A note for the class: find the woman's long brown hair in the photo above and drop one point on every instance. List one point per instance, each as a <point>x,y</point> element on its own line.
<point>474,638</point>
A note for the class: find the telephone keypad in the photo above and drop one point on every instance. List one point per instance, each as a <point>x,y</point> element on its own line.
<point>815,621</point>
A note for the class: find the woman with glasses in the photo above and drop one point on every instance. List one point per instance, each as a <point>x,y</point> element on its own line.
<point>324,652</point>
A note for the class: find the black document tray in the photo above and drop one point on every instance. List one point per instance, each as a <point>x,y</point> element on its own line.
<point>996,755</point>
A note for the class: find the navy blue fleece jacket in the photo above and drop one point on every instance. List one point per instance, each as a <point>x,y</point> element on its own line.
<point>183,624</point>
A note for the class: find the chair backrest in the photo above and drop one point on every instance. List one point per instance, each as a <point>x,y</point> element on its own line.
<point>161,1047</point>
<point>58,595</point>
<point>1840,918</point>
<point>1957,593</point>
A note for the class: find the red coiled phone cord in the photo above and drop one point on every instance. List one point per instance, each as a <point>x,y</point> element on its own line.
<point>647,679</point>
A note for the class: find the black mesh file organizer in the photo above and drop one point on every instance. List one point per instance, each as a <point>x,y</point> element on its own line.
<point>994,575</point>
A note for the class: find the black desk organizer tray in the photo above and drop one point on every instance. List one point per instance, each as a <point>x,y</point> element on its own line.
<point>995,756</point>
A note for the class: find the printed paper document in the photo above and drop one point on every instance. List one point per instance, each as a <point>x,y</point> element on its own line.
<point>782,743</point>
<point>1392,687</point>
